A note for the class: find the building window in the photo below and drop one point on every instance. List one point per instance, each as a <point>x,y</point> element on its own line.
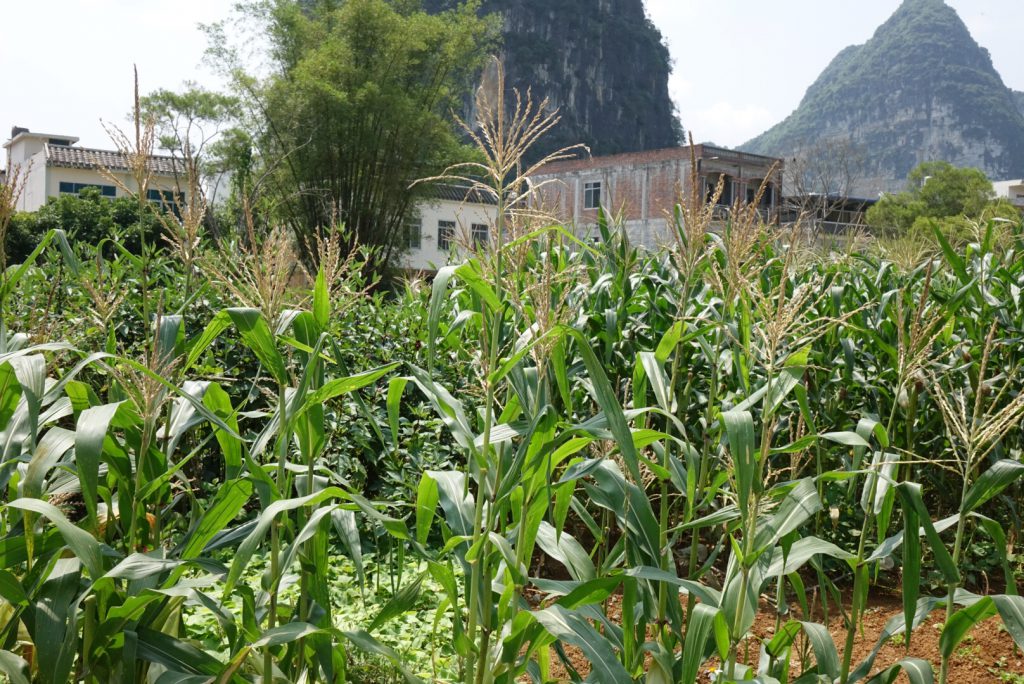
<point>480,234</point>
<point>62,142</point>
<point>75,188</point>
<point>412,232</point>
<point>592,195</point>
<point>167,200</point>
<point>445,235</point>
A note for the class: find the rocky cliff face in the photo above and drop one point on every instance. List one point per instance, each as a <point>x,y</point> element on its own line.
<point>601,62</point>
<point>1019,97</point>
<point>920,89</point>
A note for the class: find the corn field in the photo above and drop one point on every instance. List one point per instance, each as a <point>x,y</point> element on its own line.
<point>548,430</point>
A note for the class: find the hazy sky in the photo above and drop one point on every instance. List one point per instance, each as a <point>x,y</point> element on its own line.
<point>739,65</point>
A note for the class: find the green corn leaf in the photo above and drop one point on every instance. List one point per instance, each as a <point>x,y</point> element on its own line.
<point>789,377</point>
<point>90,431</point>
<point>918,672</point>
<point>850,439</point>
<point>285,634</point>
<point>910,493</point>
<point>218,324</point>
<point>266,519</point>
<point>256,335</point>
<point>739,428</point>
<point>54,625</point>
<point>11,589</point>
<point>344,522</point>
<point>699,628</point>
<point>16,273</point>
<point>659,381</point>
<point>800,504</point>
<point>403,601</point>
<point>572,628</point>
<point>567,551</point>
<point>219,403</point>
<point>396,387</point>
<point>802,551</point>
<point>10,393</point>
<point>365,642</point>
<point>438,299</point>
<point>456,503</point>
<point>321,300</point>
<point>610,406</point>
<point>81,543</point>
<point>878,481</point>
<point>897,624</point>
<point>962,622</point>
<point>1011,611</point>
<point>995,530</point>
<point>340,386</point>
<point>175,654</point>
<point>1002,474</point>
<point>911,566</point>
<point>426,503</point>
<point>590,592</point>
<point>227,503</point>
<point>954,259</point>
<point>14,667</point>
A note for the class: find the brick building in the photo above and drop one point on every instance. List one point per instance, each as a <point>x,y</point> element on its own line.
<point>641,189</point>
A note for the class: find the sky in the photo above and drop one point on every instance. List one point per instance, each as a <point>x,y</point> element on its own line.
<point>739,66</point>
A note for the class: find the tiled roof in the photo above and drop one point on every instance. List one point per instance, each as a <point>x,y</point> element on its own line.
<point>461,193</point>
<point>89,158</point>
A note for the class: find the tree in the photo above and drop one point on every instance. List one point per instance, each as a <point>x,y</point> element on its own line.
<point>357,106</point>
<point>192,125</point>
<point>936,191</point>
<point>821,179</point>
<point>189,120</point>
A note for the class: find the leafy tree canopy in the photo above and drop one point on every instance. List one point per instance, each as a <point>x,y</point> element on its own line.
<point>188,120</point>
<point>936,190</point>
<point>357,105</point>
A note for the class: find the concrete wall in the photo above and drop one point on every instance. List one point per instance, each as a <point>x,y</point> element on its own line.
<point>28,152</point>
<point>43,182</point>
<point>57,174</point>
<point>33,171</point>
<point>1012,190</point>
<point>429,256</point>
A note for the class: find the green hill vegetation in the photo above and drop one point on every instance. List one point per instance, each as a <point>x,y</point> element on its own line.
<point>920,89</point>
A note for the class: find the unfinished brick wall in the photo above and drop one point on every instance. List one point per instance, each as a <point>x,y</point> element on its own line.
<point>644,187</point>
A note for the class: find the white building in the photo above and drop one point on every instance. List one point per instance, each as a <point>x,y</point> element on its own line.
<point>442,228</point>
<point>1012,190</point>
<point>53,165</point>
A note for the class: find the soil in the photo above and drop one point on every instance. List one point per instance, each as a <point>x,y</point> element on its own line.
<point>987,654</point>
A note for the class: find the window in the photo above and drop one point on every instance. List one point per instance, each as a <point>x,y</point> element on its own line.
<point>480,234</point>
<point>412,233</point>
<point>592,195</point>
<point>445,235</point>
<point>167,199</point>
<point>63,142</point>
<point>75,188</point>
